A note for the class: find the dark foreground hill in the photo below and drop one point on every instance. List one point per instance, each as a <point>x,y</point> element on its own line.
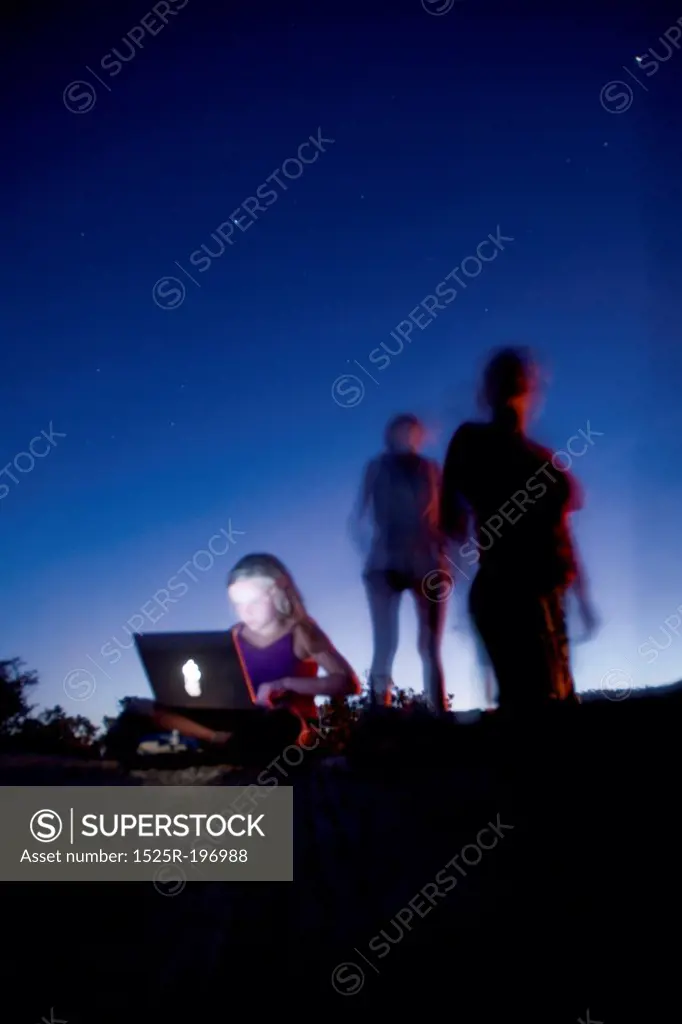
<point>574,910</point>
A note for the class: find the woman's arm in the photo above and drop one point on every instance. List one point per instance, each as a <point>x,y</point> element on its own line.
<point>582,592</point>
<point>340,681</point>
<point>581,588</point>
<point>362,503</point>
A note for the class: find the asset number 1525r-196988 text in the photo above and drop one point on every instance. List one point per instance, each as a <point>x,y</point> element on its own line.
<point>194,856</point>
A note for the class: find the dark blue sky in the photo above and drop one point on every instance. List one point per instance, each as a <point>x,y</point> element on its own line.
<point>179,421</point>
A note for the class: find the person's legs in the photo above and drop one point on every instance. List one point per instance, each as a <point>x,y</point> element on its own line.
<point>517,627</point>
<point>168,720</point>
<point>384,609</point>
<point>500,627</point>
<point>558,656</point>
<point>430,622</point>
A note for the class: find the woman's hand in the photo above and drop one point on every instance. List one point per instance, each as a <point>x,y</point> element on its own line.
<point>269,693</point>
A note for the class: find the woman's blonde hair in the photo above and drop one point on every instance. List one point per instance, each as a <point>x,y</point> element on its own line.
<point>286,595</point>
<point>287,598</point>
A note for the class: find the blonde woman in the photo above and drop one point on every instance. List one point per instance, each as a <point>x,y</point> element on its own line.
<point>281,648</point>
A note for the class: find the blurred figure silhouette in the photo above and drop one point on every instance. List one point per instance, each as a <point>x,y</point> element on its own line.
<point>400,495</point>
<point>521,505</point>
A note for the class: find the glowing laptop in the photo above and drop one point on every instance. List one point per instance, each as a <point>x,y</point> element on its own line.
<point>196,671</point>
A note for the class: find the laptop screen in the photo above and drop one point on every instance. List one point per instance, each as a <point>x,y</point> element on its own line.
<point>202,670</point>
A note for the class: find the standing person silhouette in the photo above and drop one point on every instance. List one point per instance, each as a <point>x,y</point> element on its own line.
<point>521,505</point>
<point>400,493</point>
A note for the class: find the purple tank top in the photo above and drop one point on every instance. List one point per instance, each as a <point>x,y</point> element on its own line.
<point>267,664</point>
<point>276,661</point>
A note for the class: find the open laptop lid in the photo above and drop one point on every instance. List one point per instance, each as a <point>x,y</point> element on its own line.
<point>203,670</point>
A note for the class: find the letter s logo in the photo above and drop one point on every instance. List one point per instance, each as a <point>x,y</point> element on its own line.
<point>46,826</point>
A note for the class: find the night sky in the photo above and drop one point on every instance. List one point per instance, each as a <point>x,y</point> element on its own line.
<point>218,407</point>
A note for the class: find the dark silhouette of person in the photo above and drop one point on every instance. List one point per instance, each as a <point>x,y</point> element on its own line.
<point>400,493</point>
<point>527,561</point>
